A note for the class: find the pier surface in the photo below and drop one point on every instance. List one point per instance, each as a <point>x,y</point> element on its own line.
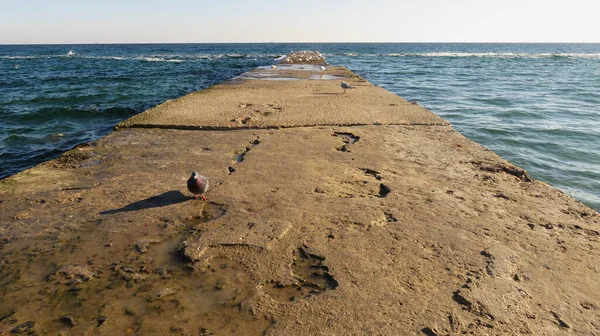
<point>329,213</point>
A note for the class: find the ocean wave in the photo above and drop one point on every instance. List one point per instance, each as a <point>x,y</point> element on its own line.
<point>21,57</point>
<point>477,55</point>
<point>191,57</point>
<point>55,114</point>
<point>152,59</point>
<point>115,58</point>
<point>149,58</point>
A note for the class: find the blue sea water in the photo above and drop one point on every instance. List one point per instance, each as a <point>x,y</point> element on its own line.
<point>537,105</point>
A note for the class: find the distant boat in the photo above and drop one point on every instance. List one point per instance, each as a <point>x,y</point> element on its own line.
<point>16,66</point>
<point>70,53</point>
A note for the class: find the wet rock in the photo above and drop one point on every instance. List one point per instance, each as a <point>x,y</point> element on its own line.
<point>141,245</point>
<point>23,328</point>
<point>222,283</point>
<point>192,251</point>
<point>75,274</point>
<point>498,167</point>
<point>129,273</point>
<point>71,159</point>
<point>133,277</point>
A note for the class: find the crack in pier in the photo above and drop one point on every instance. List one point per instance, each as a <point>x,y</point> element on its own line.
<point>240,156</point>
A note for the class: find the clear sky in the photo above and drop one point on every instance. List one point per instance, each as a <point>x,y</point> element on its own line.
<point>199,21</point>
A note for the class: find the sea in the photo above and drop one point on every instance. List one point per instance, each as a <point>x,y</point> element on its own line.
<point>536,105</point>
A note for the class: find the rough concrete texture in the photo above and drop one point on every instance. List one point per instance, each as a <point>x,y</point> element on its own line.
<point>295,102</point>
<point>327,230</point>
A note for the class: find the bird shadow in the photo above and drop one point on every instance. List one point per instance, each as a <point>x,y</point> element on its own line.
<point>164,199</point>
<point>328,93</point>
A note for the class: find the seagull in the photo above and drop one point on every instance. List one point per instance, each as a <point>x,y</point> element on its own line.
<point>345,86</point>
<point>198,185</point>
<point>323,68</point>
<point>273,66</point>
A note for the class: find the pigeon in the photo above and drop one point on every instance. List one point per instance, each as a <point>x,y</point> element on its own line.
<point>345,86</point>
<point>198,185</point>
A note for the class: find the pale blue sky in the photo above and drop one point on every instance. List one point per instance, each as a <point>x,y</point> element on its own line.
<point>137,21</point>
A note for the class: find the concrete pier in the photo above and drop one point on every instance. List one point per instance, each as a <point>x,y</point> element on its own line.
<point>329,213</point>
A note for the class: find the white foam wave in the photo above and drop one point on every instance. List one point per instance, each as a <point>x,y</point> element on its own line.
<point>491,55</point>
<point>581,194</point>
<point>20,57</point>
<point>192,57</point>
<point>574,55</point>
<point>468,54</point>
<point>115,58</point>
<point>153,59</point>
<point>149,58</point>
